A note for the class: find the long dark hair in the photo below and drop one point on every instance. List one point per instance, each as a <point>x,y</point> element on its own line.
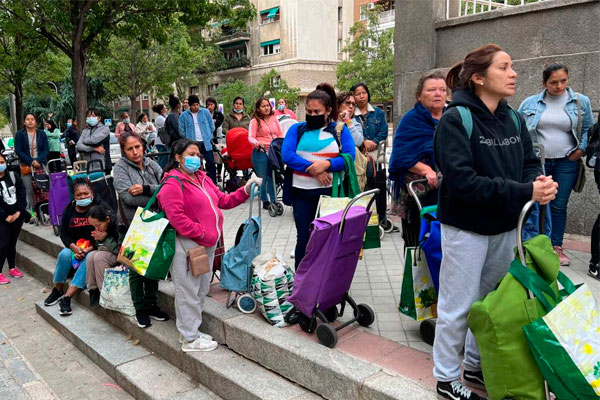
<point>364,86</point>
<point>476,62</point>
<point>257,114</point>
<point>178,148</point>
<point>325,93</point>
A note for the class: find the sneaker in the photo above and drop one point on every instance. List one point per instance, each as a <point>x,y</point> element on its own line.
<point>143,320</point>
<point>156,314</point>
<point>65,306</point>
<point>205,336</point>
<point>200,344</point>
<point>474,379</point>
<point>15,273</point>
<point>455,390</point>
<point>54,297</point>
<point>266,205</point>
<point>4,280</point>
<point>564,260</point>
<point>593,271</point>
<point>94,297</point>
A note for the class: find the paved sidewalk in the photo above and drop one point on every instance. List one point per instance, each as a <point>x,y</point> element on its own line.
<point>37,362</point>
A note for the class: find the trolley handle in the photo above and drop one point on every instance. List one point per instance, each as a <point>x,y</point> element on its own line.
<point>254,188</point>
<point>412,192</point>
<point>373,192</point>
<point>381,150</point>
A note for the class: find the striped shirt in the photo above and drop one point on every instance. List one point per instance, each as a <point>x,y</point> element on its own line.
<point>315,145</point>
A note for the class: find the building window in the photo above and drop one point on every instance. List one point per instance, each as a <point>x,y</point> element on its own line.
<point>339,13</point>
<point>270,47</point>
<point>194,89</point>
<point>269,15</point>
<point>275,81</point>
<point>364,11</point>
<point>212,87</point>
<point>145,96</point>
<point>339,46</point>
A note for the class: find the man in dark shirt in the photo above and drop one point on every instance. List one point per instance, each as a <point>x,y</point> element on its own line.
<point>71,138</point>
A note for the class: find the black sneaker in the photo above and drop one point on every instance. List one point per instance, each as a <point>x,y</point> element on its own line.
<point>593,271</point>
<point>455,390</point>
<point>143,320</point>
<point>65,306</point>
<point>54,297</point>
<point>474,379</point>
<point>266,205</point>
<point>94,297</point>
<point>156,314</point>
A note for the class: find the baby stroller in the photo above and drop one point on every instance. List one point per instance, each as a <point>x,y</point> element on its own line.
<point>277,168</point>
<point>41,189</point>
<point>236,268</point>
<point>325,274</point>
<point>430,242</point>
<point>237,156</point>
<point>59,192</point>
<point>286,124</point>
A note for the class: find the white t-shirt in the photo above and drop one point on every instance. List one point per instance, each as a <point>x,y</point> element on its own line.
<point>197,131</point>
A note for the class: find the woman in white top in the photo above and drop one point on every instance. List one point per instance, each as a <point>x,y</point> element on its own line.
<point>146,130</point>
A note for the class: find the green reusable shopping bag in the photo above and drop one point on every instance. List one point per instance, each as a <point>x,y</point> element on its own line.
<point>149,245</point>
<point>508,367</point>
<point>418,298</point>
<point>565,343</point>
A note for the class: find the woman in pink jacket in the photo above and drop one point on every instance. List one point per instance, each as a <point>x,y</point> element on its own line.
<point>264,127</point>
<point>125,125</point>
<point>195,213</point>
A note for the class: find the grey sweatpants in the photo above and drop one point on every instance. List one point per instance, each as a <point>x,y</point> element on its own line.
<point>98,262</point>
<point>472,265</point>
<point>28,183</point>
<point>190,291</point>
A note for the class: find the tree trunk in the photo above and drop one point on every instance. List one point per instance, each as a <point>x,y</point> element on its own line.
<point>78,75</point>
<point>19,105</point>
<point>133,108</point>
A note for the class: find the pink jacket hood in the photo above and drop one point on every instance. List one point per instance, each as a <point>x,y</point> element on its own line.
<point>195,212</point>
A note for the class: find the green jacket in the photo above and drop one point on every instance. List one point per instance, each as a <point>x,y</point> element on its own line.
<point>53,139</point>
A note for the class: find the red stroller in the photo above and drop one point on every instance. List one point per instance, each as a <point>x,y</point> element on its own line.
<point>237,156</point>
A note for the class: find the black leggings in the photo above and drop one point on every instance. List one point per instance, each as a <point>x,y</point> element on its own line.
<point>9,234</point>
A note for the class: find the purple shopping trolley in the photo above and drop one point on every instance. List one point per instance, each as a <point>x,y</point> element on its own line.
<point>325,273</point>
<point>59,192</point>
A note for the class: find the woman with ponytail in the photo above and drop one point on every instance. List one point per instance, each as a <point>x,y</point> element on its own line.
<point>489,175</point>
<point>312,150</point>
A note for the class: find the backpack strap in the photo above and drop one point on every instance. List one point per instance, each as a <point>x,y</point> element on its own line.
<point>12,177</point>
<point>515,118</point>
<point>467,119</point>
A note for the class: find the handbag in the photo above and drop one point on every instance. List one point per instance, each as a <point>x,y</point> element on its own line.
<point>197,259</point>
<point>26,169</point>
<point>580,182</point>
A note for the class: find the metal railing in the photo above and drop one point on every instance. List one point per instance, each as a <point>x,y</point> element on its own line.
<point>386,16</point>
<point>471,7</point>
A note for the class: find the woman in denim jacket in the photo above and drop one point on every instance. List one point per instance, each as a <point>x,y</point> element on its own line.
<point>552,118</point>
<point>372,119</point>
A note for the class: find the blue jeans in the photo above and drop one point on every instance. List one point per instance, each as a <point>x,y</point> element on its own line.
<point>63,266</point>
<point>262,168</point>
<point>209,163</point>
<point>532,225</point>
<point>564,172</point>
<point>305,203</point>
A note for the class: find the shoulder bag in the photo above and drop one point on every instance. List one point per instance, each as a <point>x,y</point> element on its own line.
<point>26,169</point>
<point>580,182</point>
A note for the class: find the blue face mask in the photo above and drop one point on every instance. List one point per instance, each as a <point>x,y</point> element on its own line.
<point>238,111</point>
<point>69,124</point>
<point>92,121</point>
<point>281,107</point>
<point>126,120</point>
<point>192,164</point>
<point>83,202</point>
<point>2,167</point>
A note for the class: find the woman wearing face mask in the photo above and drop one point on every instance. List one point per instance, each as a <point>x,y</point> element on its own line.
<point>146,130</point>
<point>312,150</point>
<point>53,135</point>
<point>136,179</point>
<point>263,128</point>
<point>125,125</point>
<point>237,117</point>
<point>195,213</point>
<point>94,142</point>
<point>31,147</point>
<point>282,109</point>
<point>74,228</point>
<point>13,205</point>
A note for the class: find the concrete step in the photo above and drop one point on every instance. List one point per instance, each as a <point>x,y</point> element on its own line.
<point>330,373</point>
<point>223,371</point>
<point>135,369</point>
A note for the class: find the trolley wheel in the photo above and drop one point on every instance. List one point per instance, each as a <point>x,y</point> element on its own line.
<point>427,329</point>
<point>307,324</point>
<point>327,335</point>
<point>273,210</point>
<point>279,208</point>
<point>331,314</point>
<point>381,232</point>
<point>366,315</point>
<point>246,303</point>
<point>387,225</point>
<point>56,230</point>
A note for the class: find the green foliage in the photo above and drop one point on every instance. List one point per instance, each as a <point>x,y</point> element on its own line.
<point>268,86</point>
<point>372,64</point>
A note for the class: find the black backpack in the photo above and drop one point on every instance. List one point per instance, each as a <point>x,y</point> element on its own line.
<point>163,134</point>
<point>593,147</point>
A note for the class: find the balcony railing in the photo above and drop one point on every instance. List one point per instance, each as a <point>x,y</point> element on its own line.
<point>237,62</point>
<point>471,7</point>
<point>386,16</point>
<point>232,37</point>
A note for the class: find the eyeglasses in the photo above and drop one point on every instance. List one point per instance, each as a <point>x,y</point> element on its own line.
<point>350,103</point>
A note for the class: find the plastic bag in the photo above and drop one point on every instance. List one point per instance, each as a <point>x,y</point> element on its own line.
<point>115,294</point>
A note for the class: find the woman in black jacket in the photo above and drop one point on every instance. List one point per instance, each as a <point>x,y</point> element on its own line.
<point>490,171</point>
<point>13,205</point>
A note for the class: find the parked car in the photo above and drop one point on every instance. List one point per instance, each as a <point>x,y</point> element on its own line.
<point>115,148</point>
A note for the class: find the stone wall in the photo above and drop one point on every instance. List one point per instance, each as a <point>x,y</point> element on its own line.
<point>563,30</point>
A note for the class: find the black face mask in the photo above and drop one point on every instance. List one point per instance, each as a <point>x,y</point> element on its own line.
<point>315,122</point>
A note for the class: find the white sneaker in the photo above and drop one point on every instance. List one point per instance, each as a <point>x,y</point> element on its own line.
<point>204,336</point>
<point>199,344</point>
